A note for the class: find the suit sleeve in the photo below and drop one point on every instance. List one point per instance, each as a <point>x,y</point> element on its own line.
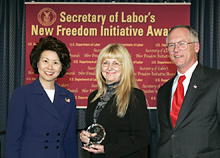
<point>15,124</point>
<point>218,106</point>
<point>140,132</point>
<point>70,141</point>
<point>157,120</point>
<point>89,111</point>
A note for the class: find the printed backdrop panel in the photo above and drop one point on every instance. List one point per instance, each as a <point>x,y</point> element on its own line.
<point>87,28</point>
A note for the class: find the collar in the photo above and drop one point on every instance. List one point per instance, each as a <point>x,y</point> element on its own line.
<point>189,72</point>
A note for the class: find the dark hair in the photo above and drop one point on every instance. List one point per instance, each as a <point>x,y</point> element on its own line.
<point>53,44</point>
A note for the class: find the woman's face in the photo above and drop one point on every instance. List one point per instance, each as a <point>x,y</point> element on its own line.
<point>49,66</point>
<point>111,70</point>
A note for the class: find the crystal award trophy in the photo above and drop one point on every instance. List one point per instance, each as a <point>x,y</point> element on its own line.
<point>100,134</point>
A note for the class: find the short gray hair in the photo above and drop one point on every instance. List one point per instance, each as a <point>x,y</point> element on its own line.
<point>193,34</point>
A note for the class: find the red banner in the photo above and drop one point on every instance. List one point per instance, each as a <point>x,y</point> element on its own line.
<point>87,28</point>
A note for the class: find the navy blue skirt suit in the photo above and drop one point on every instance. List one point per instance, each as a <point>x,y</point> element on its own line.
<point>38,128</point>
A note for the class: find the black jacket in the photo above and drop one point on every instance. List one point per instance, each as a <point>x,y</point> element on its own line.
<point>126,137</point>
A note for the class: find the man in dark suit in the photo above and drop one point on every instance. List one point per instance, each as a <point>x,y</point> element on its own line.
<point>193,131</point>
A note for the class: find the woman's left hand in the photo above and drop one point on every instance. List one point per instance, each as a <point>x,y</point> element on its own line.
<point>95,148</point>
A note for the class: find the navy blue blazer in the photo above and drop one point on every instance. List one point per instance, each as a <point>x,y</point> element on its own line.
<point>38,128</point>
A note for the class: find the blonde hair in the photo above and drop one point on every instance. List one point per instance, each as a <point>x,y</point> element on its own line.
<point>127,81</point>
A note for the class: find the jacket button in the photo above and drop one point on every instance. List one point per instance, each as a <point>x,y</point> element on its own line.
<point>47,134</point>
<point>46,147</point>
<point>57,147</point>
<point>46,140</point>
<point>58,140</point>
<point>58,134</point>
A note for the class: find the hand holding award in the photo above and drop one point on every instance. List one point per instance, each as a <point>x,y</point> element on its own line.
<point>100,134</point>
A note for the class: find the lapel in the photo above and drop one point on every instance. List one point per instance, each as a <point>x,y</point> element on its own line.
<point>192,93</point>
<point>104,111</point>
<point>90,110</point>
<point>167,102</point>
<point>107,109</point>
<point>61,99</point>
<point>42,98</point>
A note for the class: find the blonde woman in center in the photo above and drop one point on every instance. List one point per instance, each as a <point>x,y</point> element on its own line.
<point>119,106</point>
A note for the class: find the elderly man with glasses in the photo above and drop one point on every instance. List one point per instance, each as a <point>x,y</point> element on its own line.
<point>188,105</point>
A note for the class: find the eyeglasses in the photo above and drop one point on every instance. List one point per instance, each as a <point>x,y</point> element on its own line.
<point>114,64</point>
<point>180,45</point>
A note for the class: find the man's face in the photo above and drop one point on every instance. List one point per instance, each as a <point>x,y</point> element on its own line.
<point>183,59</point>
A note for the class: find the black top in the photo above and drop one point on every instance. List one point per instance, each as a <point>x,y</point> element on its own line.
<point>126,137</point>
<point>103,100</point>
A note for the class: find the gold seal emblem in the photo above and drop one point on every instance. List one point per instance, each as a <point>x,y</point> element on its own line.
<point>47,16</point>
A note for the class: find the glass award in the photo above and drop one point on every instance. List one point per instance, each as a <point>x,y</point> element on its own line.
<point>100,134</point>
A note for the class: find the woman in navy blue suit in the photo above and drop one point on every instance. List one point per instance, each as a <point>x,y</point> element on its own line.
<point>42,115</point>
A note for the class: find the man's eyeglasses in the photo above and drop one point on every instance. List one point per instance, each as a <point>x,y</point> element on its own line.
<point>113,64</point>
<point>180,45</point>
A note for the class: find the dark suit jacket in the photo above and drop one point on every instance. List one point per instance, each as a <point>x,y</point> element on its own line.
<point>197,131</point>
<point>37,128</point>
<point>125,137</point>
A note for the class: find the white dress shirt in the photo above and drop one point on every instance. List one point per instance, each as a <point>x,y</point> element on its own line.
<point>188,75</point>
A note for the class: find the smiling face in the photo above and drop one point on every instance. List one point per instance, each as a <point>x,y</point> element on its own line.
<point>49,67</point>
<point>111,70</point>
<point>186,58</point>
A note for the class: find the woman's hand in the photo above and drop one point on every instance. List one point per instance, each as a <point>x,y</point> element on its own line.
<point>95,148</point>
<point>85,136</point>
